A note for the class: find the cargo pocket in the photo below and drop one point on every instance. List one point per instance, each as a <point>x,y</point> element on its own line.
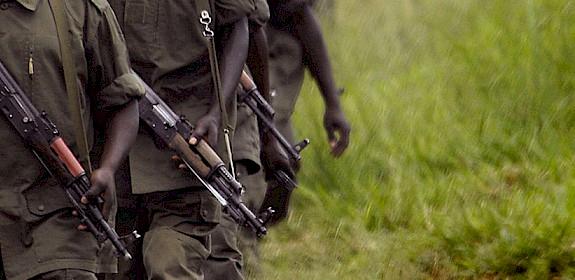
<point>141,26</point>
<point>51,229</point>
<point>191,212</point>
<point>45,198</point>
<point>211,210</point>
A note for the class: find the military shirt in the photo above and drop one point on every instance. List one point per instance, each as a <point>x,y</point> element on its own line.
<point>282,10</point>
<point>261,14</point>
<point>169,50</point>
<point>29,48</point>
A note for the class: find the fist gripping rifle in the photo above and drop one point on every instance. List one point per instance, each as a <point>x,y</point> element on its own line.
<point>200,159</point>
<point>43,137</point>
<point>265,114</point>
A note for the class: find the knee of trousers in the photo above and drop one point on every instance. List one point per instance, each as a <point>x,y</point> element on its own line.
<point>225,241</point>
<point>170,254</point>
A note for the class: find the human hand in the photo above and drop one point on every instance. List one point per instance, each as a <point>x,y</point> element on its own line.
<point>275,159</point>
<point>207,128</point>
<point>103,185</point>
<point>338,130</point>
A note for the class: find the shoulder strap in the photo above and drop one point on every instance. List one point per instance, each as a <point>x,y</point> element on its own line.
<point>63,30</point>
<point>205,19</point>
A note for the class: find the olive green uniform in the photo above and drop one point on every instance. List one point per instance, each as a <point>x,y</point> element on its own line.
<point>287,70</point>
<point>287,73</point>
<point>169,51</point>
<point>37,229</point>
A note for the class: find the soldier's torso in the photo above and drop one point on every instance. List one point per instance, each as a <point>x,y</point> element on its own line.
<point>169,49</point>
<point>37,230</point>
<point>29,48</point>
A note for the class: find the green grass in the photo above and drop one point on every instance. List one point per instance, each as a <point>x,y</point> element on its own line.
<point>461,163</point>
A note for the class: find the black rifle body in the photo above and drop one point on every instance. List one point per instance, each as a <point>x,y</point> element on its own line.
<point>43,137</point>
<point>265,113</point>
<point>175,132</point>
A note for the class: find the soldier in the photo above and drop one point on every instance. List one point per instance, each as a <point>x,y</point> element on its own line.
<point>255,184</point>
<point>296,43</point>
<point>37,228</point>
<point>169,47</point>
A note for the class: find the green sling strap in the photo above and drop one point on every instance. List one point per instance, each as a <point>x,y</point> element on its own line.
<point>70,73</point>
<point>205,19</point>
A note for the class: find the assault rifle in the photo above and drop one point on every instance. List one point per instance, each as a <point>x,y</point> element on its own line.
<point>175,132</point>
<point>265,113</point>
<point>43,137</point>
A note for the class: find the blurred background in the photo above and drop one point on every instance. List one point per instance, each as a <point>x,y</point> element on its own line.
<point>461,162</point>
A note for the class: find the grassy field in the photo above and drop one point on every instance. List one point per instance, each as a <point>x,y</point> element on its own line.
<point>461,163</point>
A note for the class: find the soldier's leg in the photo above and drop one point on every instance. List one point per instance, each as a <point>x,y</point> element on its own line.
<point>131,215</point>
<point>178,242</point>
<point>67,274</point>
<point>248,241</point>
<point>225,260</point>
<point>128,219</point>
<point>228,240</point>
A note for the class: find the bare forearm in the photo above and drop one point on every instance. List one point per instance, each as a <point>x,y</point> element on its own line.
<point>259,66</point>
<point>308,32</point>
<point>232,45</point>
<point>121,132</point>
<point>258,60</point>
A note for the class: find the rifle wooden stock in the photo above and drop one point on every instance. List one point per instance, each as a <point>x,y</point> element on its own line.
<point>181,146</point>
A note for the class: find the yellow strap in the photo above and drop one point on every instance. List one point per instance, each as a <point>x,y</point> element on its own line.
<point>70,73</point>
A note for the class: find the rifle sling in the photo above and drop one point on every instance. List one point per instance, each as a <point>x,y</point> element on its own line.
<point>209,35</point>
<point>70,73</point>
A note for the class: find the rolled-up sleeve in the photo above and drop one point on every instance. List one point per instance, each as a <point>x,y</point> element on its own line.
<point>111,82</point>
<point>229,11</point>
<point>261,15</point>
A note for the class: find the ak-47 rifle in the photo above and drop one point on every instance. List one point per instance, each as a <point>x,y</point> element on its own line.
<point>265,113</point>
<point>43,137</point>
<point>175,132</point>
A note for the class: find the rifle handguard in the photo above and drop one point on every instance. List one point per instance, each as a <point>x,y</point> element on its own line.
<point>182,147</point>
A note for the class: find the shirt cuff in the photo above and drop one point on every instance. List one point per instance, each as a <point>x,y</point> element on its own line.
<point>121,91</point>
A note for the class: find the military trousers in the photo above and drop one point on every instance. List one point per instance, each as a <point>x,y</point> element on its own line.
<point>176,241</point>
<point>247,240</point>
<point>234,249</point>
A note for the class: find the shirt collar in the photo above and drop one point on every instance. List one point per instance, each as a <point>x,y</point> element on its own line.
<point>29,4</point>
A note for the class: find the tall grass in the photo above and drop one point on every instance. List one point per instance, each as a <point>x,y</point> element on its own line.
<point>461,163</point>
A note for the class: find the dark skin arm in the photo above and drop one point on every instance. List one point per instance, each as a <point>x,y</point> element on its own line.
<point>232,48</point>
<point>257,60</point>
<point>303,25</point>
<point>121,130</point>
